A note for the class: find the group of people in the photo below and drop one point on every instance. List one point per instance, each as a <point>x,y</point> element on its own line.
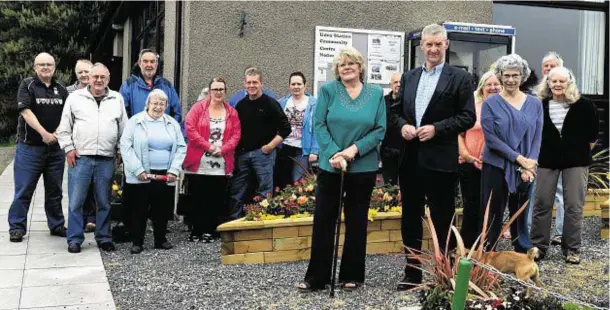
<point>504,146</point>
<point>231,147</point>
<point>505,143</point>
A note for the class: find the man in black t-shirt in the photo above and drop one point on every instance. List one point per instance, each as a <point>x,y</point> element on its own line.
<point>263,127</point>
<point>40,100</point>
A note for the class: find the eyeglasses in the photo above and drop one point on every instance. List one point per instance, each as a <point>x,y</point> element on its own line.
<point>48,64</point>
<point>157,104</point>
<point>511,76</point>
<point>218,89</point>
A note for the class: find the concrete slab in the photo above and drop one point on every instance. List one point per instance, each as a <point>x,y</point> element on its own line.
<point>10,298</point>
<point>64,276</point>
<point>4,226</point>
<point>38,226</point>
<point>11,278</point>
<point>90,256</point>
<point>12,248</point>
<point>12,262</point>
<point>106,306</point>
<point>44,243</point>
<point>62,295</point>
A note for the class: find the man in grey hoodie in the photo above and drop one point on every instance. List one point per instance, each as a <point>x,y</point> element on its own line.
<point>89,132</point>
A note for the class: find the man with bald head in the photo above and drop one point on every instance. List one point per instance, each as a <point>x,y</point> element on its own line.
<point>40,100</point>
<point>91,125</point>
<point>392,142</point>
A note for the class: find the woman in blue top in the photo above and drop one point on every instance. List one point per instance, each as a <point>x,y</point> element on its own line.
<point>349,124</point>
<point>300,148</point>
<point>151,144</point>
<point>512,126</point>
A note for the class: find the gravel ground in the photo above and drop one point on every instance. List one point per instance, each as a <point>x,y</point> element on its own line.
<point>190,276</point>
<point>6,156</point>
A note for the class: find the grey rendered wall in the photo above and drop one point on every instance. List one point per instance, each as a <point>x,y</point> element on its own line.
<point>279,36</point>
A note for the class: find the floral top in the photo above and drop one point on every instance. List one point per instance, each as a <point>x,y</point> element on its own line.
<point>212,165</point>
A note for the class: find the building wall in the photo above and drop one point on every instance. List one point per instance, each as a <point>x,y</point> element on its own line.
<point>279,36</point>
<point>169,40</point>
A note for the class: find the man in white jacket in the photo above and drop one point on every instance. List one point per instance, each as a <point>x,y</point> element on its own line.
<point>89,132</point>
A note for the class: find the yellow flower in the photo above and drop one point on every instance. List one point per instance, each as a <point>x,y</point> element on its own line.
<point>264,203</point>
<point>386,208</point>
<point>115,187</point>
<point>387,197</point>
<point>396,209</point>
<point>309,188</point>
<point>120,193</point>
<point>372,214</point>
<point>300,215</point>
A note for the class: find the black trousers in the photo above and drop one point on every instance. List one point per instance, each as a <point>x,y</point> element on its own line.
<point>207,203</point>
<point>419,187</point>
<point>358,188</point>
<point>390,159</point>
<point>470,186</point>
<point>155,198</point>
<point>492,180</point>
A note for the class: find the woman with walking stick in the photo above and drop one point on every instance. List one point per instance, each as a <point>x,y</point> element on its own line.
<point>349,124</point>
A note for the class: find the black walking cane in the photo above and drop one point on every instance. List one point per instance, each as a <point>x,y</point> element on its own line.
<point>337,237</point>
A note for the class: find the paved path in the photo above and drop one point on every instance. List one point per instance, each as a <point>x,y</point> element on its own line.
<point>39,273</point>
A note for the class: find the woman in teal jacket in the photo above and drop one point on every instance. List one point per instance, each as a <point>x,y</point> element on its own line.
<point>349,124</point>
<point>300,148</point>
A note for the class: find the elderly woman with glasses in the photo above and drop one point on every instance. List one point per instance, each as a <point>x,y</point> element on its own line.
<point>569,134</point>
<point>470,148</point>
<point>512,127</point>
<point>153,149</point>
<point>213,131</point>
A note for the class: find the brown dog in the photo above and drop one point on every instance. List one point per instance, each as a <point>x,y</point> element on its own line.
<point>522,265</point>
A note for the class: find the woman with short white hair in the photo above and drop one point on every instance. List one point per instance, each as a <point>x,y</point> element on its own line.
<point>568,136</point>
<point>512,127</point>
<point>151,145</point>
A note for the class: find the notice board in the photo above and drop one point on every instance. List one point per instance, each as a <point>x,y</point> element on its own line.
<point>383,53</point>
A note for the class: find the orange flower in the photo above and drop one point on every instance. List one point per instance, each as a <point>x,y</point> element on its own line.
<point>302,200</point>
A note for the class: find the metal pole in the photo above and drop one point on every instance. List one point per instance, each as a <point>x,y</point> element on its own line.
<point>337,237</point>
<point>461,284</point>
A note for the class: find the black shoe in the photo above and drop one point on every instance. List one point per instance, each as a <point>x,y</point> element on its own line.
<point>74,248</point>
<point>541,255</point>
<point>207,238</point>
<point>556,240</point>
<point>408,283</point>
<point>16,236</point>
<point>136,249</point>
<point>193,238</point>
<point>59,231</point>
<point>107,246</point>
<point>164,246</point>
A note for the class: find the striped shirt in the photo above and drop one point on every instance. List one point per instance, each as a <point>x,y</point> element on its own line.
<point>558,112</point>
<point>425,90</point>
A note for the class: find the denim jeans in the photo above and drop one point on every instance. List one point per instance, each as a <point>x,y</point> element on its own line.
<point>31,161</point>
<point>558,205</point>
<point>247,163</point>
<point>88,169</point>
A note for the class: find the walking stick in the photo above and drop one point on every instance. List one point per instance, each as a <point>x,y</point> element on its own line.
<point>338,233</point>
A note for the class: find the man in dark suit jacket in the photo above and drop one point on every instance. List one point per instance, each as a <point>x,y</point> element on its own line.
<point>437,104</point>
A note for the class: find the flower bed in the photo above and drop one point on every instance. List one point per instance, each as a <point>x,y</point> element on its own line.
<point>289,239</point>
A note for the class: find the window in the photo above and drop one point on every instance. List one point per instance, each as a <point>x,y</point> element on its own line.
<point>577,35</point>
<point>148,29</point>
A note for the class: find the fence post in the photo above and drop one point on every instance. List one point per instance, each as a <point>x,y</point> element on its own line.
<point>461,284</point>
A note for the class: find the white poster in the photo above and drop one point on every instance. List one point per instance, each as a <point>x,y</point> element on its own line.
<point>329,45</point>
<point>383,57</point>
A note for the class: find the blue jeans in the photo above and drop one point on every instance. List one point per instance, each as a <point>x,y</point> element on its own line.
<point>30,162</point>
<point>558,204</point>
<point>246,163</point>
<point>88,169</point>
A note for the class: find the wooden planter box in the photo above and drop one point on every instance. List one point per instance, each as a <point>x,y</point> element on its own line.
<point>605,231</point>
<point>258,242</point>
<point>593,202</point>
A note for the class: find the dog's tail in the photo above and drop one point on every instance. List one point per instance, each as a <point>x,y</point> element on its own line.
<point>532,253</point>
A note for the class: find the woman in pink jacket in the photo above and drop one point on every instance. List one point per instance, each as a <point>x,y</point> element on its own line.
<point>213,131</point>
